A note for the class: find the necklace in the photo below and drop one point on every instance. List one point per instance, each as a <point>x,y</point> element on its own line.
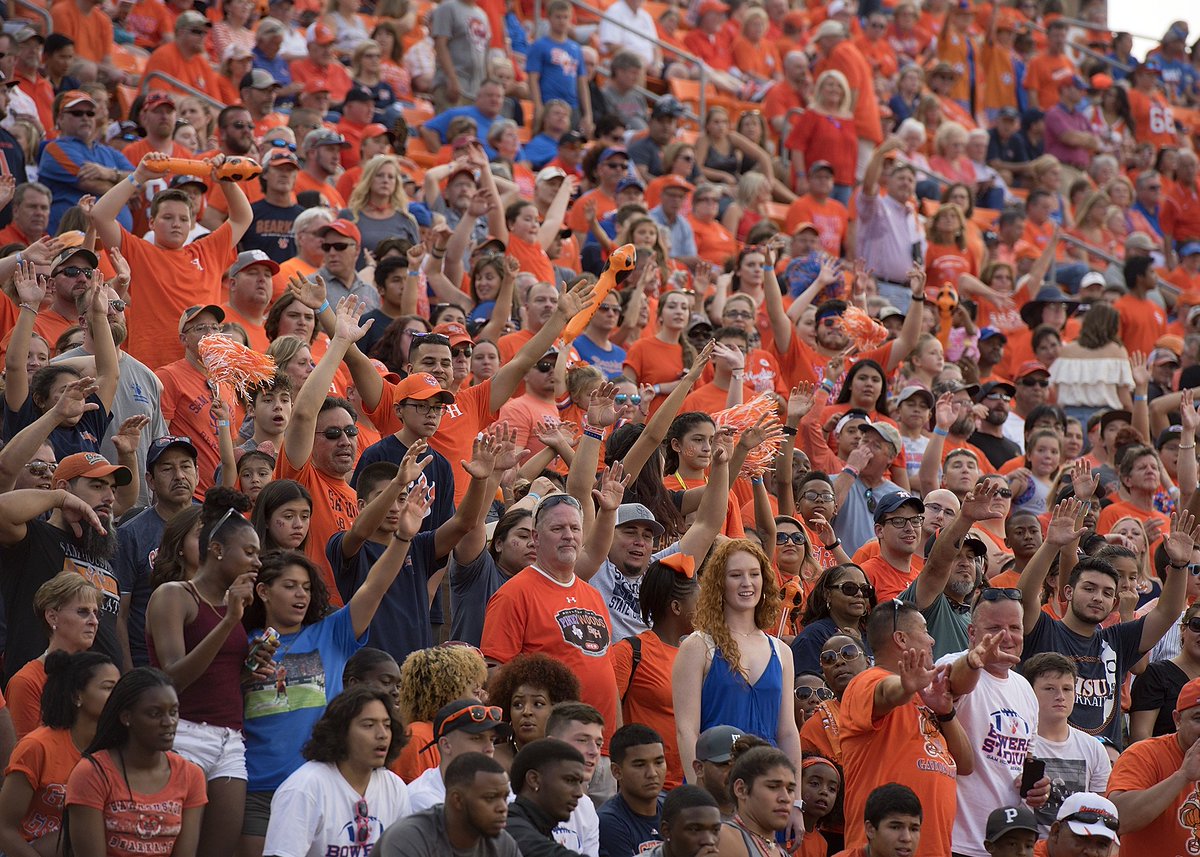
<point>762,845</point>
<point>753,633</point>
<point>203,600</point>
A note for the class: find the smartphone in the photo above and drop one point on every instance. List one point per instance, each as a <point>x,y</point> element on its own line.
<point>917,256</point>
<point>1032,771</point>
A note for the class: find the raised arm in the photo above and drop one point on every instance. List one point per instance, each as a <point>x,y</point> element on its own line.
<point>240,213</point>
<point>22,449</point>
<point>109,206</point>
<point>1060,533</point>
<point>471,545</point>
<point>31,291</point>
<point>870,182</point>
<point>598,539</point>
<point>1141,388</point>
<point>1190,422</point>
<point>976,507</point>
<point>108,370</point>
<point>166,616</point>
<point>18,508</point>
<point>910,332</point>
<point>383,573</point>
<point>471,512</point>
<point>710,516</point>
<point>1178,544</point>
<point>502,311</point>
<point>373,513</point>
<point>800,404</point>
<point>553,221</point>
<point>945,412</point>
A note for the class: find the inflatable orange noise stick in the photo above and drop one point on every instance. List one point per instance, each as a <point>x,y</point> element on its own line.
<point>947,303</point>
<point>235,169</point>
<point>619,264</point>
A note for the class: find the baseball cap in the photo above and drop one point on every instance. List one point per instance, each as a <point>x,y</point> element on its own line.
<point>181,180</point>
<point>892,502</point>
<point>375,129</point>
<point>715,744</point>
<point>278,157</point>
<point>990,386</point>
<point>170,441</point>
<point>1167,435</point>
<point>25,34</point>
<point>668,107</point>
<point>191,18</point>
<point>420,213</point>
<point>1115,414</point>
<point>455,332</point>
<point>74,97</point>
<point>1029,367</point>
<point>157,99</point>
<point>711,6</point>
<point>1090,806</point>
<point>970,540</point>
<point>699,320</point>
<point>1007,819</point>
<point>1159,356</point>
<point>258,78</point>
<point>344,228</point>
<point>92,465</point>
<point>913,390</point>
<point>248,258</point>
<point>630,513</point>
<point>888,432</point>
<point>956,387</point>
<point>1009,113</point>
<point>612,152</point>
<point>322,35</point>
<point>1170,341</point>
<point>801,227</point>
<point>66,255</point>
<point>991,333</point>
<point>421,386</point>
<point>1139,241</point>
<point>549,174</point>
<point>1091,278</point>
<point>572,138</point>
<point>944,67</point>
<point>1191,248</point>
<point>820,165</point>
<point>829,27</point>
<point>193,311</point>
<point>269,27</point>
<point>888,311</point>
<point>673,182</point>
<point>324,137</point>
<point>356,94</point>
<point>234,51</point>
<point>450,718</point>
<point>1189,694</point>
<point>313,87</point>
<point>1101,81</point>
<point>851,414</point>
<point>628,182</point>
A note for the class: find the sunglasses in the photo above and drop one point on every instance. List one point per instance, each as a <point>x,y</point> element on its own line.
<point>335,432</point>
<point>204,329</point>
<point>1006,493</point>
<point>1000,397</point>
<point>633,399</point>
<point>852,590</point>
<point>339,246</point>
<point>90,114</point>
<point>830,321</point>
<point>847,652</point>
<point>552,501</point>
<point>281,144</point>
<point>362,822</point>
<point>794,538</point>
<point>805,693</point>
<point>1089,817</point>
<point>476,713</point>
<point>465,351</point>
<point>1192,624</point>
<point>1033,382</point>
<point>75,271</point>
<point>241,126</point>
<point>613,308</point>
<point>544,366</point>
<point>39,468</point>
<point>999,593</point>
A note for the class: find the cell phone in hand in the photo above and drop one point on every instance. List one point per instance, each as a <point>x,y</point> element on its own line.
<point>1032,771</point>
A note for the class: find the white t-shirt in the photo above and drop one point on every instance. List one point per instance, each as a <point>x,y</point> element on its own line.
<point>641,22</point>
<point>427,790</point>
<point>313,812</point>
<point>580,832</point>
<point>1079,764</point>
<point>1000,718</point>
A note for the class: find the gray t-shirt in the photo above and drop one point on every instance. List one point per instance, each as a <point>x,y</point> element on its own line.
<point>423,834</point>
<point>336,288</point>
<point>472,585</point>
<point>621,593</point>
<point>467,32</point>
<point>855,521</point>
<point>139,393</point>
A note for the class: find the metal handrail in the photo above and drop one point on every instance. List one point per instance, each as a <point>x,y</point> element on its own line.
<point>179,84</point>
<point>1084,49</point>
<point>41,12</point>
<point>654,40</point>
<point>1088,25</point>
<point>1163,285</point>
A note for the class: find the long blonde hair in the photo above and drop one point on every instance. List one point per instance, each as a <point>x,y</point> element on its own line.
<point>710,609</point>
<point>362,189</point>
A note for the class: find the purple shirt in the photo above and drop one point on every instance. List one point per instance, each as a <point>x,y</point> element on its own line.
<point>1059,120</point>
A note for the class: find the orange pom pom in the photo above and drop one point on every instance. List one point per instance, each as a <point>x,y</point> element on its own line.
<point>744,416</point>
<point>865,332</point>
<point>230,362</point>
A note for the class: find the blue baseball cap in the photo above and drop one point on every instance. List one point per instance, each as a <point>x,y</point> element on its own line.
<point>989,333</point>
<point>627,183</point>
<point>1189,249</point>
<point>421,214</point>
<point>892,502</point>
<point>612,152</point>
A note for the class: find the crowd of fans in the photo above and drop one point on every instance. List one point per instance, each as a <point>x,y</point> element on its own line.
<point>703,430</point>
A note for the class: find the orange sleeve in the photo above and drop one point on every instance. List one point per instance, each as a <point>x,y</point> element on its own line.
<point>858,702</point>
<point>621,655</point>
<point>503,623</point>
<point>24,703</point>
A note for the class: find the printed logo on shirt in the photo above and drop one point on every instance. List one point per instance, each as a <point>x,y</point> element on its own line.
<point>583,629</point>
<point>100,577</point>
<point>564,60</point>
<point>1067,776</point>
<point>1008,738</point>
<point>1096,690</point>
<point>352,847</point>
<point>940,761</point>
<point>1189,819</point>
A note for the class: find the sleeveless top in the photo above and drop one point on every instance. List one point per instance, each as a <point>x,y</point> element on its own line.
<point>215,697</point>
<point>726,700</point>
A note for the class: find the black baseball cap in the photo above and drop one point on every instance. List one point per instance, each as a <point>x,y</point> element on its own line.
<point>466,715</point>
<point>170,441</point>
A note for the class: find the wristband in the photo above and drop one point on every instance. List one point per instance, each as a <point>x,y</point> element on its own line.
<point>594,435</point>
<point>29,307</point>
<point>791,432</point>
<point>1176,567</point>
<point>657,389</point>
<point>20,257</point>
<point>416,273</point>
<point>756,480</point>
<point>323,307</point>
<point>919,298</point>
<point>850,470</point>
<point>223,423</point>
<point>827,386</point>
<point>134,181</point>
<point>1139,398</point>
<point>941,432</point>
<point>836,543</point>
<point>398,538</point>
<point>946,718</point>
<point>537,498</point>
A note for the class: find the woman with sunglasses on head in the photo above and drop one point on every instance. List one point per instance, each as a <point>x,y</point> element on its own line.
<point>76,689</point>
<point>839,603</point>
<point>131,794</point>
<point>344,790</point>
<point>733,672</point>
<point>669,594</point>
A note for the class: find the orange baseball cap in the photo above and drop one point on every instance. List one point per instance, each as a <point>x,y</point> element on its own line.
<point>422,386</point>
<point>1189,694</point>
<point>92,465</point>
<point>322,35</point>
<point>344,228</point>
<point>671,180</point>
<point>455,332</point>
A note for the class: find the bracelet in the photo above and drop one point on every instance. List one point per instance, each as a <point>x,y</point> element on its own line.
<point>323,307</point>
<point>29,307</point>
<point>827,386</point>
<point>850,470</point>
<point>791,432</point>
<point>134,181</point>
<point>223,423</point>
<point>1193,446</point>
<point>435,254</point>
<point>1139,398</point>
<point>594,435</point>
<point>756,480</point>
<point>537,498</point>
<point>657,389</point>
<point>799,804</point>
<point>941,432</point>
<point>1176,567</point>
<point>836,543</point>
<point>946,718</point>
<point>919,298</point>
<point>416,273</point>
<point>400,539</point>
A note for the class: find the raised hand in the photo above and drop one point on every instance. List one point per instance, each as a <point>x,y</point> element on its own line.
<point>731,357</point>
<point>555,434</point>
<point>8,186</point>
<point>936,695</point>
<point>836,366</point>
<point>1189,418</point>
<point>700,362</point>
<point>576,299</point>
<point>43,251</point>
<point>121,266</point>
<point>723,442</point>
<point>1083,480</point>
<point>416,255</point>
<point>977,505</point>
<point>30,287</point>
<point>239,595</point>
<point>1137,365</point>
<point>508,454</point>
<point>831,269</point>
<point>412,513</point>
<point>915,670</point>
<point>311,293</point>
<point>483,456</point>
<point>1062,531</point>
<point>613,483</point>
<point>766,428</point>
<point>988,653</point>
<point>125,440</point>
<point>73,403</point>
<point>412,465</point>
<point>916,279</point>
<point>945,412</point>
<point>1181,541</point>
<point>602,409</point>
<point>822,529</point>
<point>800,401</point>
<point>347,328</point>
<point>860,456</point>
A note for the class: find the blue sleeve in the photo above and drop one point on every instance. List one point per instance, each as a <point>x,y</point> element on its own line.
<point>340,631</point>
<point>806,649</point>
<point>441,122</point>
<point>1130,637</point>
<point>124,565</point>
<point>49,169</point>
<point>345,569</point>
<point>423,555</point>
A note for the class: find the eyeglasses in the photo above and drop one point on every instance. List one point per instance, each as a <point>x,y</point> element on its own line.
<point>685,158</point>
<point>805,693</point>
<point>818,496</point>
<point>477,714</point>
<point>426,408</point>
<point>914,521</point>
<point>335,432</point>
<point>1035,382</point>
<point>75,271</point>
<point>633,399</point>
<point>999,593</point>
<point>241,126</point>
<point>39,468</point>
<point>696,200</point>
<point>201,32</point>
<point>738,314</point>
<point>90,114</point>
<point>544,366</point>
<point>552,501</point>
<point>339,246</point>
<point>435,338</point>
<point>1153,187</point>
<point>794,538</point>
<point>847,652</point>
<point>1001,397</point>
<point>203,329</point>
<point>464,351</point>
<point>1090,817</point>
<point>852,590</point>
<point>897,606</point>
<point>362,822</point>
<point>281,144</point>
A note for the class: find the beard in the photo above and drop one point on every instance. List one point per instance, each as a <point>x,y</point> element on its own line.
<point>100,546</point>
<point>960,588</point>
<point>997,418</point>
<point>1087,620</point>
<point>963,426</point>
<point>119,333</point>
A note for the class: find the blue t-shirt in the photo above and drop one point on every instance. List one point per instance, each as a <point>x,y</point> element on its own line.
<point>483,124</point>
<point>401,624</point>
<point>438,473</point>
<point>84,436</point>
<point>278,67</point>
<point>624,833</point>
<point>59,164</point>
<point>559,64</point>
<point>609,362</point>
<point>137,544</point>
<point>280,713</point>
<point>541,150</point>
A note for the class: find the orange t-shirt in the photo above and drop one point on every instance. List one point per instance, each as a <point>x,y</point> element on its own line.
<point>1180,217</point>
<point>470,414</point>
<point>779,99</point>
<point>304,182</point>
<point>12,235</point>
<point>50,325</point>
<point>1144,764</point>
<point>149,21</point>
<point>510,343</point>
<point>196,72</point>
<point>335,506</point>
<point>1109,515</point>
<point>147,825</point>
<point>45,757</point>
<point>164,284</point>
<point>647,699</point>
<point>760,60</point>
<point>531,257</point>
<point>847,59</point>
<point>999,87</point>
<point>888,580</point>
<point>1142,323</point>
<point>258,336</point>
<point>903,746</point>
<point>92,33</point>
<point>1045,76</point>
<point>829,217</point>
<point>186,406</point>
<point>1153,121</point>
<point>333,76</point>
<point>533,613</point>
<point>880,55</point>
<point>822,731</point>
<point>294,265</point>
<point>714,243</point>
<point>709,398</point>
<point>945,264</point>
<point>414,759</point>
<point>952,48</point>
<point>24,694</point>
<point>655,362</point>
<point>576,220</point>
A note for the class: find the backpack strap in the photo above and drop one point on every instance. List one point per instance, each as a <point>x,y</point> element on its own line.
<point>635,647</point>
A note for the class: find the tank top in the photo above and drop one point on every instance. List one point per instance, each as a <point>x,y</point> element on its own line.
<point>726,700</point>
<point>215,697</point>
